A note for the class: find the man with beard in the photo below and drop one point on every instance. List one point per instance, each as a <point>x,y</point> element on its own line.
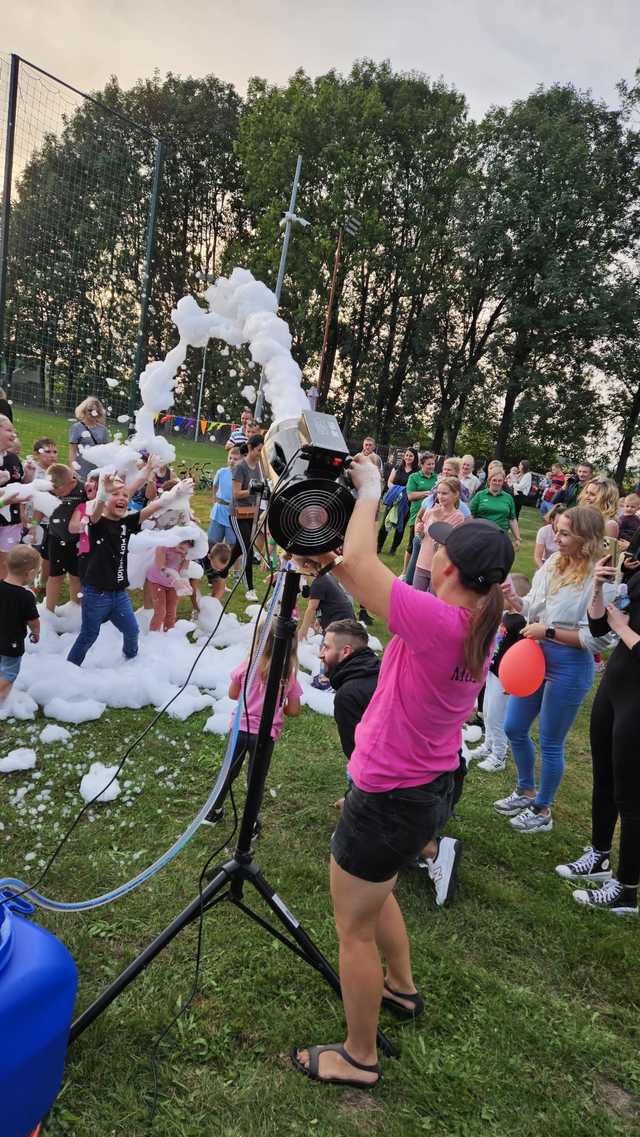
<point>352,668</point>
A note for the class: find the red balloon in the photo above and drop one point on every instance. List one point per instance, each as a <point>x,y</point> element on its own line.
<point>522,668</point>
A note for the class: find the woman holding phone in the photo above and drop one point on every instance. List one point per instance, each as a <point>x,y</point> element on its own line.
<point>556,611</point>
<point>614,728</point>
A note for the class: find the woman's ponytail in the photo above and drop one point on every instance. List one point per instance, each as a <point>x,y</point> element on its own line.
<point>484,625</point>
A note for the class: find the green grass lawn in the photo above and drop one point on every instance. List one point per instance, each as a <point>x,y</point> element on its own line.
<point>532,1004</point>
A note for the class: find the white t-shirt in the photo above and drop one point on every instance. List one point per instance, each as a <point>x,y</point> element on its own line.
<point>547,538</point>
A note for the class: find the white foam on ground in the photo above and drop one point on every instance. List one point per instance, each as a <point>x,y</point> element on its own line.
<point>22,758</point>
<point>53,733</point>
<point>96,779</point>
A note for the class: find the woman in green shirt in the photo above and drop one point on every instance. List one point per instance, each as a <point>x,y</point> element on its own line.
<point>419,487</point>
<point>495,504</point>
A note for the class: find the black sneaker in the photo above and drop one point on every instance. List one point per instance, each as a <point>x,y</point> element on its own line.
<point>592,865</point>
<point>612,897</point>
<point>214,816</point>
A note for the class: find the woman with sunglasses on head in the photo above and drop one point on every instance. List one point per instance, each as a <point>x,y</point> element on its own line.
<point>556,611</point>
<point>406,753</point>
<point>614,728</point>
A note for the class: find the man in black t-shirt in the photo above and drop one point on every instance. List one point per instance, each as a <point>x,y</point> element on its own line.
<point>327,601</point>
<point>104,590</point>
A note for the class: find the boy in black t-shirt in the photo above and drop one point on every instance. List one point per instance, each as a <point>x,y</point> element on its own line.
<point>104,590</point>
<point>62,546</point>
<point>17,613</point>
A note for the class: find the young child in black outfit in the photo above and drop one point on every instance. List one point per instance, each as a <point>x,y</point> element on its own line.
<point>104,591</point>
<point>18,612</point>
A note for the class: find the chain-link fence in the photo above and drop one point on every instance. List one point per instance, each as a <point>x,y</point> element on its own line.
<point>77,219</point>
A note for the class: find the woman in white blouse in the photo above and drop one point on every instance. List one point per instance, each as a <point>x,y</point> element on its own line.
<point>556,612</point>
<point>521,485</point>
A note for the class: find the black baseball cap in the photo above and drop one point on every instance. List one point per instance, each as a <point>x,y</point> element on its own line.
<point>479,549</point>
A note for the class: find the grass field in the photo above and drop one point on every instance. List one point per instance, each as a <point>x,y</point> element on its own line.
<point>532,1004</point>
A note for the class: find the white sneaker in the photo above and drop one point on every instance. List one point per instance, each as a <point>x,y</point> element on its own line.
<point>515,803</point>
<point>493,764</point>
<point>251,594</point>
<point>528,821</point>
<point>481,751</point>
<point>443,869</point>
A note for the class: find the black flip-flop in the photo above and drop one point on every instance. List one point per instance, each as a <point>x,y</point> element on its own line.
<point>406,1013</point>
<point>312,1070</point>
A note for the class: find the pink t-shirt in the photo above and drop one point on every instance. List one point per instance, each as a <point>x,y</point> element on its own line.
<point>255,700</point>
<point>84,544</point>
<point>173,560</point>
<point>411,731</point>
<point>427,548</point>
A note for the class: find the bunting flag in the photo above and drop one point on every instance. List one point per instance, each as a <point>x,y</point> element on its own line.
<point>180,422</point>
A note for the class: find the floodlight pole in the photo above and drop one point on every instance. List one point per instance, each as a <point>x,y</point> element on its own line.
<point>141,344</point>
<point>204,364</point>
<point>327,322</point>
<point>10,138</point>
<point>281,270</point>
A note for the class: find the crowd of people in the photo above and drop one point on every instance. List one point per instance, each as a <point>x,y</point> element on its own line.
<point>454,611</point>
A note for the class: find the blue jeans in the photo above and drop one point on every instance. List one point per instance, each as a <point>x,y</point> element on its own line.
<point>569,675</point>
<point>219,532</point>
<point>411,567</point>
<point>99,608</point>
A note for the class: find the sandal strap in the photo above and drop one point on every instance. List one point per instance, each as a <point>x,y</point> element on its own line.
<point>415,998</point>
<point>338,1048</point>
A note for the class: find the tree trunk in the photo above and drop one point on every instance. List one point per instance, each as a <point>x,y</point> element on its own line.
<point>631,421</point>
<point>514,389</point>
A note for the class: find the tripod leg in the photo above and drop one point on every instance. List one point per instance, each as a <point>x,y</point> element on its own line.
<point>210,895</point>
<point>311,953</point>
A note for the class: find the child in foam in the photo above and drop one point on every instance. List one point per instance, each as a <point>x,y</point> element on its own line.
<point>252,712</point>
<point>18,613</point>
<point>168,581</point>
<point>104,595</point>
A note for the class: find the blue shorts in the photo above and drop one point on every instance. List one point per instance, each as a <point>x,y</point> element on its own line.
<point>10,667</point>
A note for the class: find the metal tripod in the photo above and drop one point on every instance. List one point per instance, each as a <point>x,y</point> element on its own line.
<point>229,881</point>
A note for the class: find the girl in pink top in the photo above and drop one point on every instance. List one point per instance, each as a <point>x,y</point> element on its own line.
<point>167,580</point>
<point>252,701</point>
<point>445,509</point>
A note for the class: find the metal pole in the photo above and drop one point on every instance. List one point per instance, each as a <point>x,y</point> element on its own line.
<point>327,322</point>
<point>281,270</point>
<point>204,363</point>
<point>6,196</point>
<point>141,345</point>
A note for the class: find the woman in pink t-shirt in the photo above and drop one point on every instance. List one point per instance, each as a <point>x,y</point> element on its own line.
<point>406,752</point>
<point>445,509</point>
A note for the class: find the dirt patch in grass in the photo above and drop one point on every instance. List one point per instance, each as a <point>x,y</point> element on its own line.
<point>616,1100</point>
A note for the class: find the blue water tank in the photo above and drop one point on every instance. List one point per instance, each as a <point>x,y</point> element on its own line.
<point>38,981</point>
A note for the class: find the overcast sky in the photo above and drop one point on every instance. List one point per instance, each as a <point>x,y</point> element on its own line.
<point>493,50</point>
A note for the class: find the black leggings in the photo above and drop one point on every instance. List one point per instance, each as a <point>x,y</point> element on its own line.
<point>243,526</point>
<point>382,535</point>
<point>615,727</point>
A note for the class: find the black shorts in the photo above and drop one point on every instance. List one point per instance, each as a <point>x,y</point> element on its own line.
<point>378,834</point>
<point>63,557</point>
<point>43,549</point>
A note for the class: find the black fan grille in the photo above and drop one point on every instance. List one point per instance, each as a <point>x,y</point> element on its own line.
<point>287,505</point>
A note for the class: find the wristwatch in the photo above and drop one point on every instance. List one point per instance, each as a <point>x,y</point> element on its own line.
<point>550,633</point>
